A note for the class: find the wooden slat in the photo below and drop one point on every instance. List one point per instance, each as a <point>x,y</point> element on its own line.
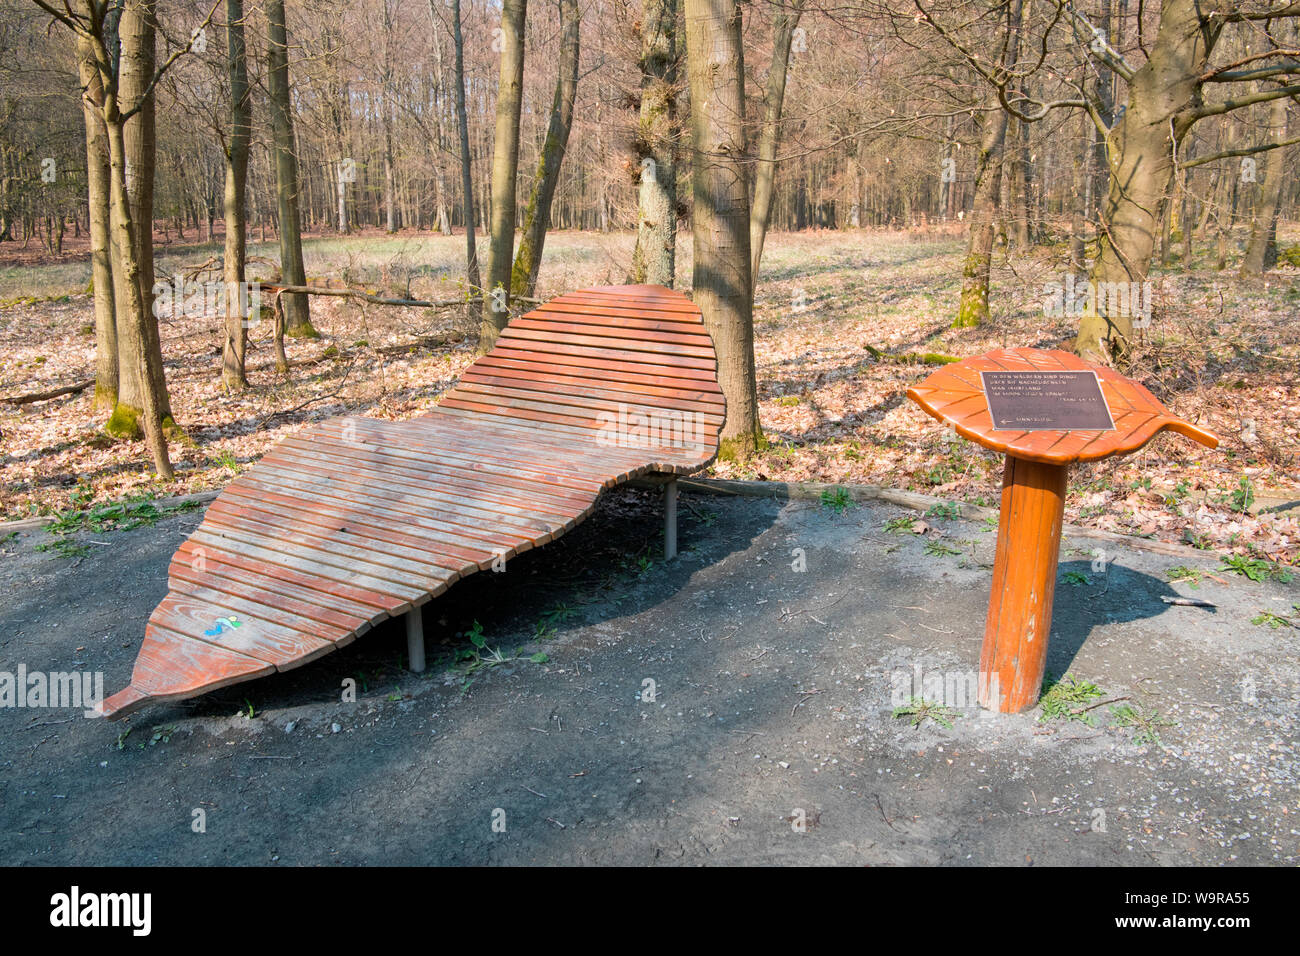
<point>459,473</point>
<point>685,458</point>
<point>603,308</point>
<point>174,667</point>
<point>443,550</point>
<point>514,470</point>
<point>312,602</point>
<point>600,354</point>
<point>394,500</point>
<point>647,385</point>
<point>604,413</point>
<point>583,396</point>
<point>328,564</point>
<point>415,571</point>
<point>646,331</point>
<point>551,338</point>
<point>240,566</point>
<point>698,374</point>
<point>597,467</point>
<point>333,506</point>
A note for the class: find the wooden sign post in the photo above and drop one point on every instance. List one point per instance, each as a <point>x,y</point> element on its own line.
<point>1046,410</point>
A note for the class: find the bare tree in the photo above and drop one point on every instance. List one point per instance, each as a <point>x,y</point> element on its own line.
<point>91,21</point>
<point>722,284</point>
<point>770,135</point>
<point>101,262</point>
<point>234,340</point>
<point>297,312</point>
<point>505,169</point>
<point>537,214</point>
<point>1166,97</point>
<point>1261,250</point>
<point>654,259</point>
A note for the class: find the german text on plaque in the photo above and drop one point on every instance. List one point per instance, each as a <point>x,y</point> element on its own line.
<point>1046,401</point>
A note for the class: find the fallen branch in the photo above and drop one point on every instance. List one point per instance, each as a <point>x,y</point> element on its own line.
<point>376,299</point>
<point>911,358</point>
<point>422,342</point>
<point>46,396</point>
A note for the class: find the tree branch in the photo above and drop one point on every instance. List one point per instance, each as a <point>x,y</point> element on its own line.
<point>1227,106</point>
<point>1229,153</point>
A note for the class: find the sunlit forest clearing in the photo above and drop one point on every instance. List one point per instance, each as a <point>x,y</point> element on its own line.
<point>1226,355</point>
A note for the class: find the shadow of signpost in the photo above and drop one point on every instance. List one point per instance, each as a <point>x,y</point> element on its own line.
<point>1115,595</point>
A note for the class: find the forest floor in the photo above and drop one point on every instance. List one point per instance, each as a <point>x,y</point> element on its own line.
<point>1221,351</point>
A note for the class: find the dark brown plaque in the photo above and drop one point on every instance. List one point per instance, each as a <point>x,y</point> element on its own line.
<point>1046,401</point>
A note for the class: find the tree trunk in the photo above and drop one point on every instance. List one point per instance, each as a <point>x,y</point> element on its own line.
<point>1142,148</point>
<point>439,176</point>
<point>466,159</point>
<point>1021,186</point>
<point>1104,96</point>
<point>537,214</point>
<point>297,311</point>
<point>133,335</point>
<point>1187,209</point>
<point>505,167</point>
<point>723,287</point>
<point>342,171</point>
<point>974,306</point>
<point>769,137</point>
<point>101,240</point>
<point>973,309</point>
<point>235,335</point>
<point>139,60</point>
<point>654,259</point>
<point>386,109</point>
<point>140,368</point>
<point>390,205</point>
<point>947,177</point>
<point>1227,219</point>
<point>134,325</point>
<point>1261,250</point>
<point>1079,175</point>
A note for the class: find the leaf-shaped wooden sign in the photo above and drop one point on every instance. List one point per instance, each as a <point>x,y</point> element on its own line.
<point>956,394</point>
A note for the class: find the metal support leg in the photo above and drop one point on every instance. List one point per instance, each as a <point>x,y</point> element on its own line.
<point>415,640</point>
<point>670,519</point>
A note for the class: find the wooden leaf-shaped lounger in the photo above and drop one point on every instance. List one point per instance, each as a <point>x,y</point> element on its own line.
<point>356,520</point>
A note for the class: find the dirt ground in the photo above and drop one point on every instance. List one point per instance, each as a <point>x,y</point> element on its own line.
<point>767,736</point>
